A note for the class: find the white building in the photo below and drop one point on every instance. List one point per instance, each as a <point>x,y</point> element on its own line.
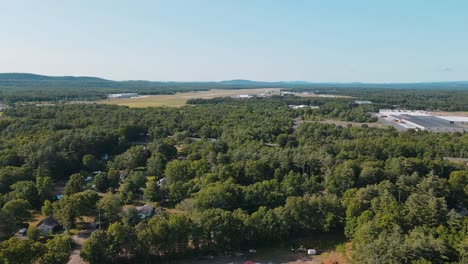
<point>391,112</point>
<point>242,96</point>
<point>302,106</point>
<point>121,95</point>
<point>359,102</point>
<point>423,120</point>
<point>456,119</point>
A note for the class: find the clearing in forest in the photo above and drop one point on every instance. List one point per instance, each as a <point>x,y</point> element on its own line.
<point>180,99</point>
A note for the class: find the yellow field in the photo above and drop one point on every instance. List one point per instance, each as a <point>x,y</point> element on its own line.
<point>180,99</point>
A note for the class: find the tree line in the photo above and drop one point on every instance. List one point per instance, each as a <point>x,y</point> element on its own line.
<point>230,175</point>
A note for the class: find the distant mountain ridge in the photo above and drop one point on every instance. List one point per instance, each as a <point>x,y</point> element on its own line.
<point>26,80</point>
<point>31,76</point>
<point>27,87</point>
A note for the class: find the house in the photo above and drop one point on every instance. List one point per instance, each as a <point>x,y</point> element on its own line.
<point>145,211</point>
<point>47,225</point>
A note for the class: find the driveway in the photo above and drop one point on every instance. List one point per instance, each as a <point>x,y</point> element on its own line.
<point>78,241</point>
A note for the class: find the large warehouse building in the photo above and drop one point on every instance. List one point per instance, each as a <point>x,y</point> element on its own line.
<point>121,95</point>
<point>422,120</point>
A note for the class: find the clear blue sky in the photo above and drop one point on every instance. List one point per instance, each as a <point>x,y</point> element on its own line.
<point>196,40</point>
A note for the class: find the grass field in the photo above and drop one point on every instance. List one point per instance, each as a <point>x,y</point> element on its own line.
<point>180,99</point>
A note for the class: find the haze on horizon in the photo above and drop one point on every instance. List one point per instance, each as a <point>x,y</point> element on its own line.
<point>201,40</point>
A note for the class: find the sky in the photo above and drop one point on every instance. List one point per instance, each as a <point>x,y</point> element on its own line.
<point>265,40</point>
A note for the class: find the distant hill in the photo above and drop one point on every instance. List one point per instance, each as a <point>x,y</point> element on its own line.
<point>422,85</point>
<point>243,82</point>
<point>27,87</point>
<point>37,77</point>
<point>35,81</point>
<point>42,81</point>
<point>306,84</point>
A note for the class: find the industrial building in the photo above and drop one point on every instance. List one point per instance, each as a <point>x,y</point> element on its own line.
<point>121,95</point>
<point>303,106</point>
<point>359,102</point>
<point>422,120</point>
<point>242,96</point>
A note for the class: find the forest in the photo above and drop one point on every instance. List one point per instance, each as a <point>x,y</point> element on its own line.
<point>21,88</point>
<point>228,175</point>
<point>25,87</point>
<point>449,99</point>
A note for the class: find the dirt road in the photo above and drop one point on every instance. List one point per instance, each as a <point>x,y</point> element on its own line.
<point>78,241</point>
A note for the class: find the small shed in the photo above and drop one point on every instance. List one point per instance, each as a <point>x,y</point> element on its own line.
<point>311,252</point>
<point>47,225</point>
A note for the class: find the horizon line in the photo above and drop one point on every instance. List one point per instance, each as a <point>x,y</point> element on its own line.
<point>238,79</point>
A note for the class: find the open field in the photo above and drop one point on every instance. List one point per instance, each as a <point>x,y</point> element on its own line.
<point>180,99</point>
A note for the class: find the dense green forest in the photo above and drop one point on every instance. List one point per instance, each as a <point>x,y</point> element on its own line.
<point>448,99</point>
<point>229,175</point>
<point>22,87</point>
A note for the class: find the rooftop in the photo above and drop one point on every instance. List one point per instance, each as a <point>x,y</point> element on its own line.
<point>431,123</point>
<point>48,221</point>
